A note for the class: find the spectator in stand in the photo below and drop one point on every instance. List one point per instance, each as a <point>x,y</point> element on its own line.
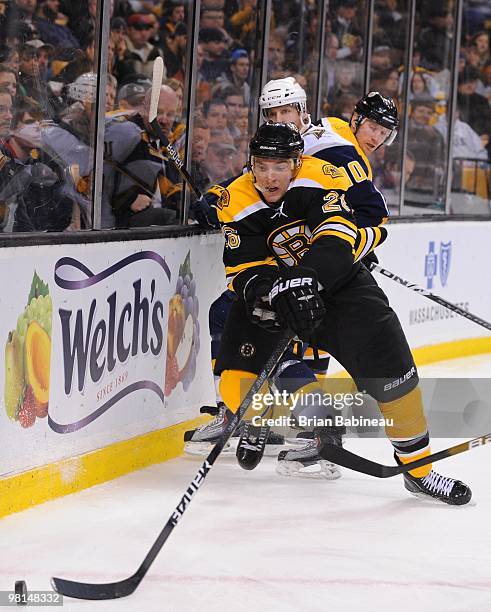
<point>382,58</point>
<point>203,87</point>
<point>214,44</point>
<point>220,157</point>
<point>49,28</point>
<point>428,146</point>
<point>212,18</point>
<point>484,84</point>
<point>236,75</point>
<point>201,140</point>
<point>474,109</point>
<point>389,83</point>
<point>141,52</point>
<point>131,97</point>
<point>216,115</point>
<point>332,46</point>
<point>343,106</point>
<point>276,53</point>
<point>242,121</point>
<point>151,199</point>
<point>111,89</point>
<point>347,80</point>
<point>24,11</point>
<point>82,62</point>
<point>392,22</point>
<point>435,40</point>
<point>8,80</point>
<point>234,101</point>
<point>345,27</point>
<point>480,42</point>
<point>419,87</point>
<point>174,50</point>
<point>175,14</point>
<point>243,23</point>
<point>33,71</point>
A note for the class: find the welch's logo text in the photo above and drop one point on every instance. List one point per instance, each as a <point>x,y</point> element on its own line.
<point>97,346</point>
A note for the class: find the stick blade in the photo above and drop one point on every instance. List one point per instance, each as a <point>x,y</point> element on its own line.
<point>86,590</point>
<point>343,457</point>
<point>158,73</point>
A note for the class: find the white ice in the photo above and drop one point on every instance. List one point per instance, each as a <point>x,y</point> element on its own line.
<point>256,541</point>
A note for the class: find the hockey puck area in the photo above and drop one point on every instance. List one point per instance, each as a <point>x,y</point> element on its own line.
<point>21,592</point>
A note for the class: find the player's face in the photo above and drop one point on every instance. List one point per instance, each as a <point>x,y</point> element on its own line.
<point>284,114</point>
<point>273,176</point>
<point>371,135</point>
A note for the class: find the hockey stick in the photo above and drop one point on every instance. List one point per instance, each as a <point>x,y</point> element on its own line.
<point>201,206</point>
<point>113,590</point>
<point>341,456</point>
<point>431,296</point>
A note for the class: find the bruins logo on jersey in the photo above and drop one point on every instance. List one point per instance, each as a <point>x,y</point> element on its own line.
<point>290,242</point>
<point>332,171</point>
<point>223,200</point>
<point>232,238</point>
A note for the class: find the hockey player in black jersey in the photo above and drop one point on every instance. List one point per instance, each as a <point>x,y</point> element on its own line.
<point>289,258</point>
<point>374,122</point>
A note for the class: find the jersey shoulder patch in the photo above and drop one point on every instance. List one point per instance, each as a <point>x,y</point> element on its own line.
<point>317,173</point>
<point>239,200</point>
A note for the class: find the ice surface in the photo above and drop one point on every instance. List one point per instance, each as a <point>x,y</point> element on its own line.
<point>256,541</point>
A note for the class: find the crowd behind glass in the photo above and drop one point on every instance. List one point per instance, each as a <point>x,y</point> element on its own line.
<point>48,97</point>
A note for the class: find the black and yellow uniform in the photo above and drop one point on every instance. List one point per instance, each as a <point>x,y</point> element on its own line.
<point>314,226</point>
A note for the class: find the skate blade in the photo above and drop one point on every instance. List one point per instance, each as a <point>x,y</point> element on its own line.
<point>434,500</point>
<point>321,470</point>
<point>203,449</point>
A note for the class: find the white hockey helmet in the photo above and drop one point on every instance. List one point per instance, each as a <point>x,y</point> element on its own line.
<point>84,88</point>
<point>280,92</point>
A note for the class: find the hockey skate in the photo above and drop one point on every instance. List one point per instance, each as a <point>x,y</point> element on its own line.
<point>438,487</point>
<point>201,440</point>
<point>307,462</point>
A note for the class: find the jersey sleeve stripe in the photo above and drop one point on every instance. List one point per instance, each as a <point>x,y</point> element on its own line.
<point>249,210</point>
<point>269,261</point>
<point>338,227</point>
<point>330,232</point>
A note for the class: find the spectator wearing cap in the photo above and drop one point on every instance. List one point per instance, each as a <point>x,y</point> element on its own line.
<point>435,40</point>
<point>34,59</point>
<point>220,157</point>
<point>345,28</point>
<point>174,50</point>
<point>141,52</point>
<point>237,75</point>
<point>473,108</point>
<point>60,36</point>
<point>131,97</point>
<point>214,45</point>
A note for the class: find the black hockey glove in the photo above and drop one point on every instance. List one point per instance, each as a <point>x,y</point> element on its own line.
<point>256,296</point>
<point>296,300</point>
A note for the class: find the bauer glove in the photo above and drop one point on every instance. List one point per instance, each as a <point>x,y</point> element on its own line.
<point>296,300</point>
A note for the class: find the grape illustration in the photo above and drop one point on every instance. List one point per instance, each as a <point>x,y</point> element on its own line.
<point>183,336</point>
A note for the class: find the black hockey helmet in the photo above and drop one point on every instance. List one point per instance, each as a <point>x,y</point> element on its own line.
<point>380,109</point>
<point>276,140</point>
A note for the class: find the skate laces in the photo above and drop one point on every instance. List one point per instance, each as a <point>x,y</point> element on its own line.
<point>218,421</point>
<point>438,484</point>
